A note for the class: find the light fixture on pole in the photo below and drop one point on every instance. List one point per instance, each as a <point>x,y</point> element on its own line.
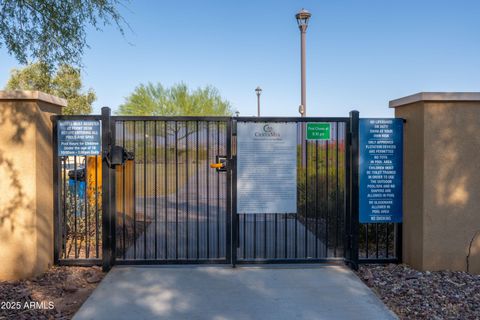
<point>258,90</point>
<point>301,110</point>
<point>303,16</point>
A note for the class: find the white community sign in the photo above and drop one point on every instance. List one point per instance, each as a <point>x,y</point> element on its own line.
<point>266,167</point>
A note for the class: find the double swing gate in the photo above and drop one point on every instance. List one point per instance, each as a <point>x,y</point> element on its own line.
<point>152,197</point>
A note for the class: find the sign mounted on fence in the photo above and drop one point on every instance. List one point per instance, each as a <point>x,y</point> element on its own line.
<point>381,170</point>
<point>318,130</point>
<point>79,137</point>
<point>266,167</point>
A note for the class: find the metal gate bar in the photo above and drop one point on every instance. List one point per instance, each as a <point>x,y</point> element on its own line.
<point>77,205</point>
<point>315,233</point>
<point>179,211</point>
<point>168,206</point>
<point>380,243</point>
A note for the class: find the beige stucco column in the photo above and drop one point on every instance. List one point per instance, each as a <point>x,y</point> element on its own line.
<point>26,182</point>
<point>441,180</point>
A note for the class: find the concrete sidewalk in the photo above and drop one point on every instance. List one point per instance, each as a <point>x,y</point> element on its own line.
<point>222,292</point>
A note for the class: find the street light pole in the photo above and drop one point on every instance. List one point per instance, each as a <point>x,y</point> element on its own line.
<point>258,90</point>
<point>303,32</point>
<point>302,19</point>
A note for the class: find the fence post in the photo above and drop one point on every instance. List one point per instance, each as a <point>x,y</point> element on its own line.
<point>354,187</point>
<point>229,238</point>
<point>398,242</point>
<point>107,244</point>
<point>27,197</point>
<point>233,190</point>
<point>58,227</point>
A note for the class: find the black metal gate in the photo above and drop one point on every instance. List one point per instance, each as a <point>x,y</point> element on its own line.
<point>171,207</point>
<point>165,204</point>
<point>320,231</point>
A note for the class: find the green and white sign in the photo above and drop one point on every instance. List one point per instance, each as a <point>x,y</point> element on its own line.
<point>318,131</point>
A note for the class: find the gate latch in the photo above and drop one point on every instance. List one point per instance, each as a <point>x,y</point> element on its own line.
<point>118,156</point>
<point>220,164</point>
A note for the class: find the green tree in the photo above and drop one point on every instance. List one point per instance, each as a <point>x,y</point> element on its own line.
<point>65,83</point>
<point>155,100</point>
<point>53,31</point>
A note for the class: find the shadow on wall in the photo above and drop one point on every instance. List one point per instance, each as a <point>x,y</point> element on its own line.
<point>18,122</point>
<point>453,163</point>
<point>16,198</point>
<point>22,229</point>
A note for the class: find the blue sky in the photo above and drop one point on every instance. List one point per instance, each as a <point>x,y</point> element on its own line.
<point>360,54</point>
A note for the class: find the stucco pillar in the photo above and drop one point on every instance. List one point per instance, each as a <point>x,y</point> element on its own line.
<point>441,180</point>
<point>26,182</point>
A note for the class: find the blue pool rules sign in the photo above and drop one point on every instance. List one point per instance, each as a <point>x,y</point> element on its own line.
<point>79,137</point>
<point>381,170</point>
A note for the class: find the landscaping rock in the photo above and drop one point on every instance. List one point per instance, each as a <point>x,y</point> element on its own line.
<point>70,288</point>
<point>95,278</point>
<point>65,287</point>
<point>425,295</point>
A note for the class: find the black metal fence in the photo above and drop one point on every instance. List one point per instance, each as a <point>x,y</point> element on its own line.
<point>380,243</point>
<point>171,207</point>
<point>318,231</point>
<point>82,209</point>
<point>166,205</point>
<point>78,207</point>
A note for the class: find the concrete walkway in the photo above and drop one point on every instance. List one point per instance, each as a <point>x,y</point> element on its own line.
<point>221,292</point>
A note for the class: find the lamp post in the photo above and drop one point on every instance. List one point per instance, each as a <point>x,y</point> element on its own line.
<point>258,90</point>
<point>302,20</point>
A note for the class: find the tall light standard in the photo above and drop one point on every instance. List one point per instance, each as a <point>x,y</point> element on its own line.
<point>258,90</point>
<point>302,19</point>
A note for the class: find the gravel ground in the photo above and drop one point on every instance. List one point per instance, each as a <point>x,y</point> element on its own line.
<point>60,292</point>
<point>57,294</point>
<point>425,295</point>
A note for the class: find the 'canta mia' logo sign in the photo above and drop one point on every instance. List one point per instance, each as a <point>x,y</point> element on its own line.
<point>267,131</point>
